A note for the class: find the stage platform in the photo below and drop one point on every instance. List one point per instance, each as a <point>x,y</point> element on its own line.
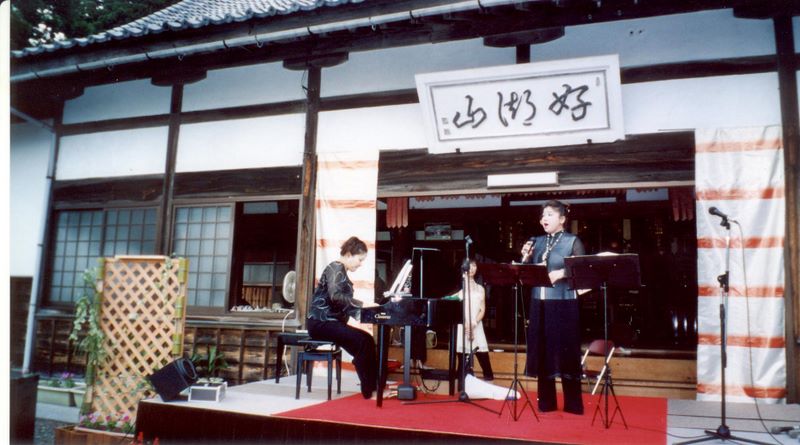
<point>266,412</point>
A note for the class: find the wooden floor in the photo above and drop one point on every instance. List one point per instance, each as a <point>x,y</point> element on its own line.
<point>671,378</point>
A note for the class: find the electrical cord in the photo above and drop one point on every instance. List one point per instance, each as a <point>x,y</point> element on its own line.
<point>749,336</point>
<point>283,329</point>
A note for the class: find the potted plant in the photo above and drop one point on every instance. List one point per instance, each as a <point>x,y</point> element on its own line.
<point>209,387</point>
<point>57,391</point>
<point>209,365</point>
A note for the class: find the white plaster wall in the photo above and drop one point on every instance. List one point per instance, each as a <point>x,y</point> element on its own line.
<point>270,141</point>
<point>665,39</point>
<point>118,100</point>
<point>265,83</point>
<point>29,155</point>
<point>374,128</point>
<point>112,153</point>
<point>729,101</point>
<point>394,68</point>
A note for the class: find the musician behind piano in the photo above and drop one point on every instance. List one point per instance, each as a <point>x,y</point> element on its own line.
<point>333,304</point>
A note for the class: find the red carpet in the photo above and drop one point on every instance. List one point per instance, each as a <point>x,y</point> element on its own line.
<point>646,418</point>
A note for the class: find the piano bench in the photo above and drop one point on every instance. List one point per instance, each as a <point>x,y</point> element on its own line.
<point>286,339</point>
<point>318,350</point>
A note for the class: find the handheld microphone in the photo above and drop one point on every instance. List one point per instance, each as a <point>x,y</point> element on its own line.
<point>716,212</point>
<point>527,255</point>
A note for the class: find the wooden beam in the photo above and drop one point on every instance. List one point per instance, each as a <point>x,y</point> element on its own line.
<point>650,158</point>
<point>168,185</point>
<point>699,68</point>
<point>790,120</point>
<point>321,61</point>
<point>306,241</point>
<point>99,192</point>
<point>240,183</point>
<point>126,123</point>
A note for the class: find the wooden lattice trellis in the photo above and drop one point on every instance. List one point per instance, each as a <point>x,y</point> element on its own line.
<point>142,315</point>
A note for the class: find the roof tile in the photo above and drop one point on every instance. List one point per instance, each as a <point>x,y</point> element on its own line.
<point>190,14</point>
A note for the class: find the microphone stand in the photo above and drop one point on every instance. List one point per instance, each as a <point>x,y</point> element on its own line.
<point>462,393</point>
<point>723,432</point>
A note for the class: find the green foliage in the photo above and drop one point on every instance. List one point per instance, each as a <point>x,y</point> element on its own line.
<point>34,22</point>
<point>209,365</point>
<point>87,315</point>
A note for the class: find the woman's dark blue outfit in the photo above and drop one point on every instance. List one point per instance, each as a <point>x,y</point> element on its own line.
<point>554,341</point>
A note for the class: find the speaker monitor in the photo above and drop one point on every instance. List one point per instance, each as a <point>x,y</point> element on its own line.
<point>170,380</point>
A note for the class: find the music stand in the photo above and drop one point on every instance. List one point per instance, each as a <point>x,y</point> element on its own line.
<point>602,271</point>
<point>516,275</point>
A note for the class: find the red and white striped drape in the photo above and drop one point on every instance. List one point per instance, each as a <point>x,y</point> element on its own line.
<point>740,171</point>
<point>347,190</point>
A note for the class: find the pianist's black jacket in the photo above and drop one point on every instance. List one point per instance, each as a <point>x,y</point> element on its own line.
<point>333,297</point>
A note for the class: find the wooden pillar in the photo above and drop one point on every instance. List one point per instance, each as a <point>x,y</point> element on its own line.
<point>306,239</point>
<point>787,81</point>
<point>523,53</point>
<point>167,188</point>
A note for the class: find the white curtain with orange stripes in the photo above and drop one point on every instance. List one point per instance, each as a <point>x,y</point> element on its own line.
<point>347,189</point>
<point>740,172</point>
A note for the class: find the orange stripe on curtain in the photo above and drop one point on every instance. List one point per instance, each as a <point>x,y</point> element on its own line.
<point>738,390</point>
<point>345,204</point>
<point>347,165</point>
<point>749,243</point>
<point>737,291</point>
<point>719,146</point>
<point>767,193</point>
<point>742,341</point>
<point>323,243</point>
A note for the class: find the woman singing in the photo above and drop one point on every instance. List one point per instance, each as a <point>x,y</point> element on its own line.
<point>333,304</point>
<point>554,331</point>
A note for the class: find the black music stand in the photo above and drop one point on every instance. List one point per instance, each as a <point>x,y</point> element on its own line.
<point>602,271</point>
<point>516,275</point>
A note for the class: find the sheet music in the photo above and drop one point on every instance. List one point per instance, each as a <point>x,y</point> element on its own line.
<point>396,290</point>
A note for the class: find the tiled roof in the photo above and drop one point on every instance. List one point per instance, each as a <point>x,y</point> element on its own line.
<point>189,14</point>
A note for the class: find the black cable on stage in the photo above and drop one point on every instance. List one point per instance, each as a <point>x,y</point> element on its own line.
<point>750,344</point>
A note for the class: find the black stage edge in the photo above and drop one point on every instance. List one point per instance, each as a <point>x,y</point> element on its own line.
<point>172,423</point>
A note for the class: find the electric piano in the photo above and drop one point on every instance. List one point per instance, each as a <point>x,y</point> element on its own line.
<point>410,311</point>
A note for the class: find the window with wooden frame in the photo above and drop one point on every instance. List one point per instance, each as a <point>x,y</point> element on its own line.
<point>239,255</point>
<point>82,236</point>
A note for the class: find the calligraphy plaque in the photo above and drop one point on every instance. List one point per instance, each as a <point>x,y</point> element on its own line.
<point>539,104</point>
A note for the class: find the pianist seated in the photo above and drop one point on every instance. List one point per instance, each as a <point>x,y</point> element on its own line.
<point>333,304</point>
